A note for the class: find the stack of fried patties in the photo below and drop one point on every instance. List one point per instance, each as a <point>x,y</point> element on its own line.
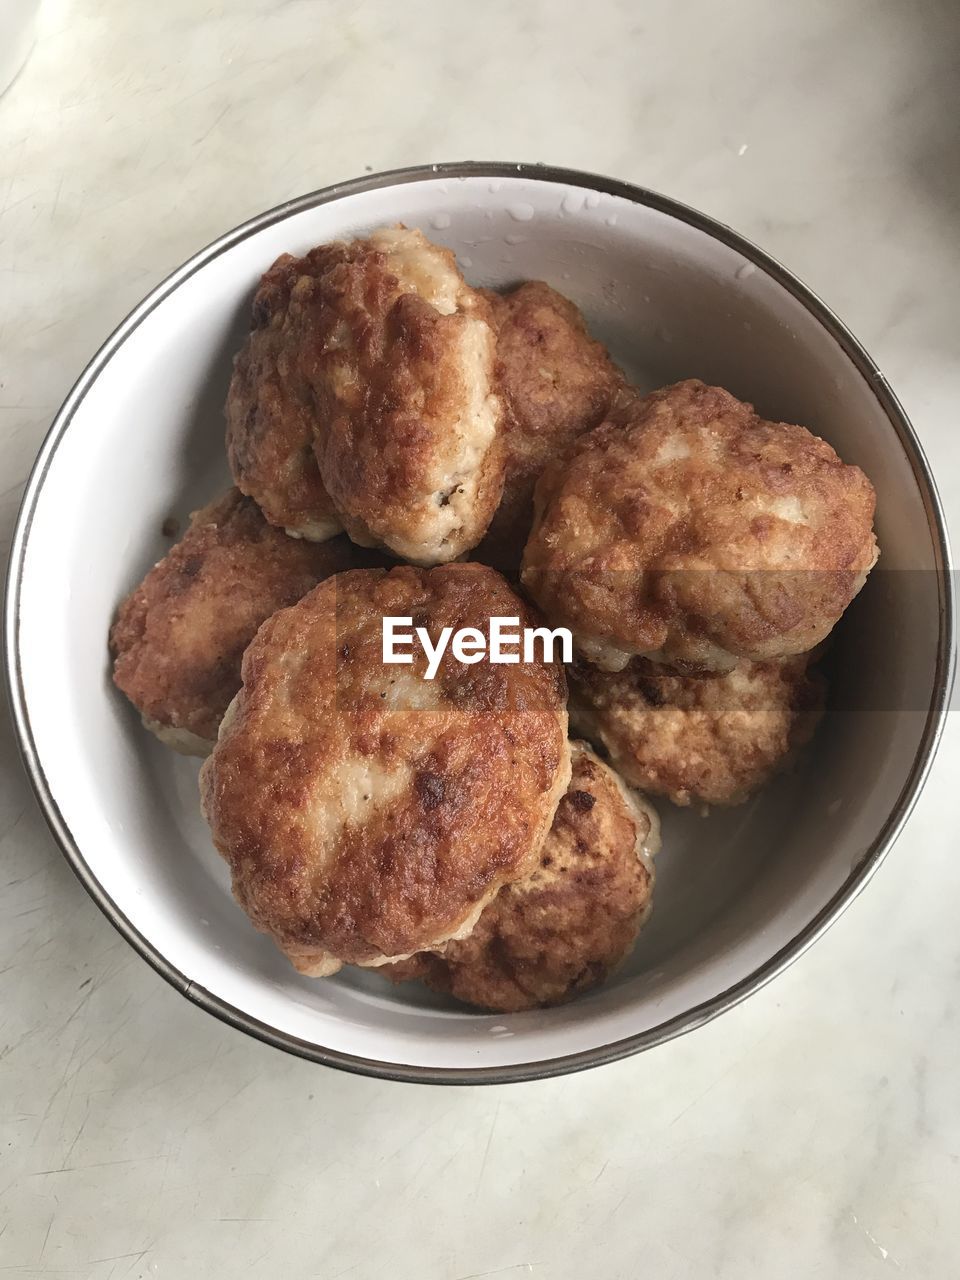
<point>405,445</point>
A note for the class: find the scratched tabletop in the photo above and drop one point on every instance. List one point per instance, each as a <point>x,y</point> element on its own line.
<point>812,1132</point>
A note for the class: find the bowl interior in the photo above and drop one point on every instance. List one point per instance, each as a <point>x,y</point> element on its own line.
<point>145,441</point>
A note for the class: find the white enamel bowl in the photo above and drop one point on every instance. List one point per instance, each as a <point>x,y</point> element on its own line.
<point>740,894</point>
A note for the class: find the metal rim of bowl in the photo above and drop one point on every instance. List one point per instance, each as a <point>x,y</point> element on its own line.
<point>673,1027</point>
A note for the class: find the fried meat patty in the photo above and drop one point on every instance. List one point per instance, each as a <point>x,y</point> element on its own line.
<point>407,435</point>
<point>178,638</point>
<point>271,406</point>
<point>707,740</point>
<point>367,812</point>
<point>555,383</point>
<point>695,533</point>
<point>568,923</point>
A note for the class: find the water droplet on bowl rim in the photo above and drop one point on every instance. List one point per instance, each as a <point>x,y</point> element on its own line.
<point>521,212</point>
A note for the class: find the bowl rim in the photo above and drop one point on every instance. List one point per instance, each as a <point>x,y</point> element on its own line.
<point>678,1025</point>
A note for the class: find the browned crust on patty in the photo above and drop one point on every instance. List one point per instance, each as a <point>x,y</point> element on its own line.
<point>366,812</point>
<point>407,440</point>
<point>178,638</point>
<point>564,927</point>
<point>705,741</point>
<point>271,408</point>
<point>555,382</point>
<point>696,532</point>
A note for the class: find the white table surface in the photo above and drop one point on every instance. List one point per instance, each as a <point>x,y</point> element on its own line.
<point>815,1130</point>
